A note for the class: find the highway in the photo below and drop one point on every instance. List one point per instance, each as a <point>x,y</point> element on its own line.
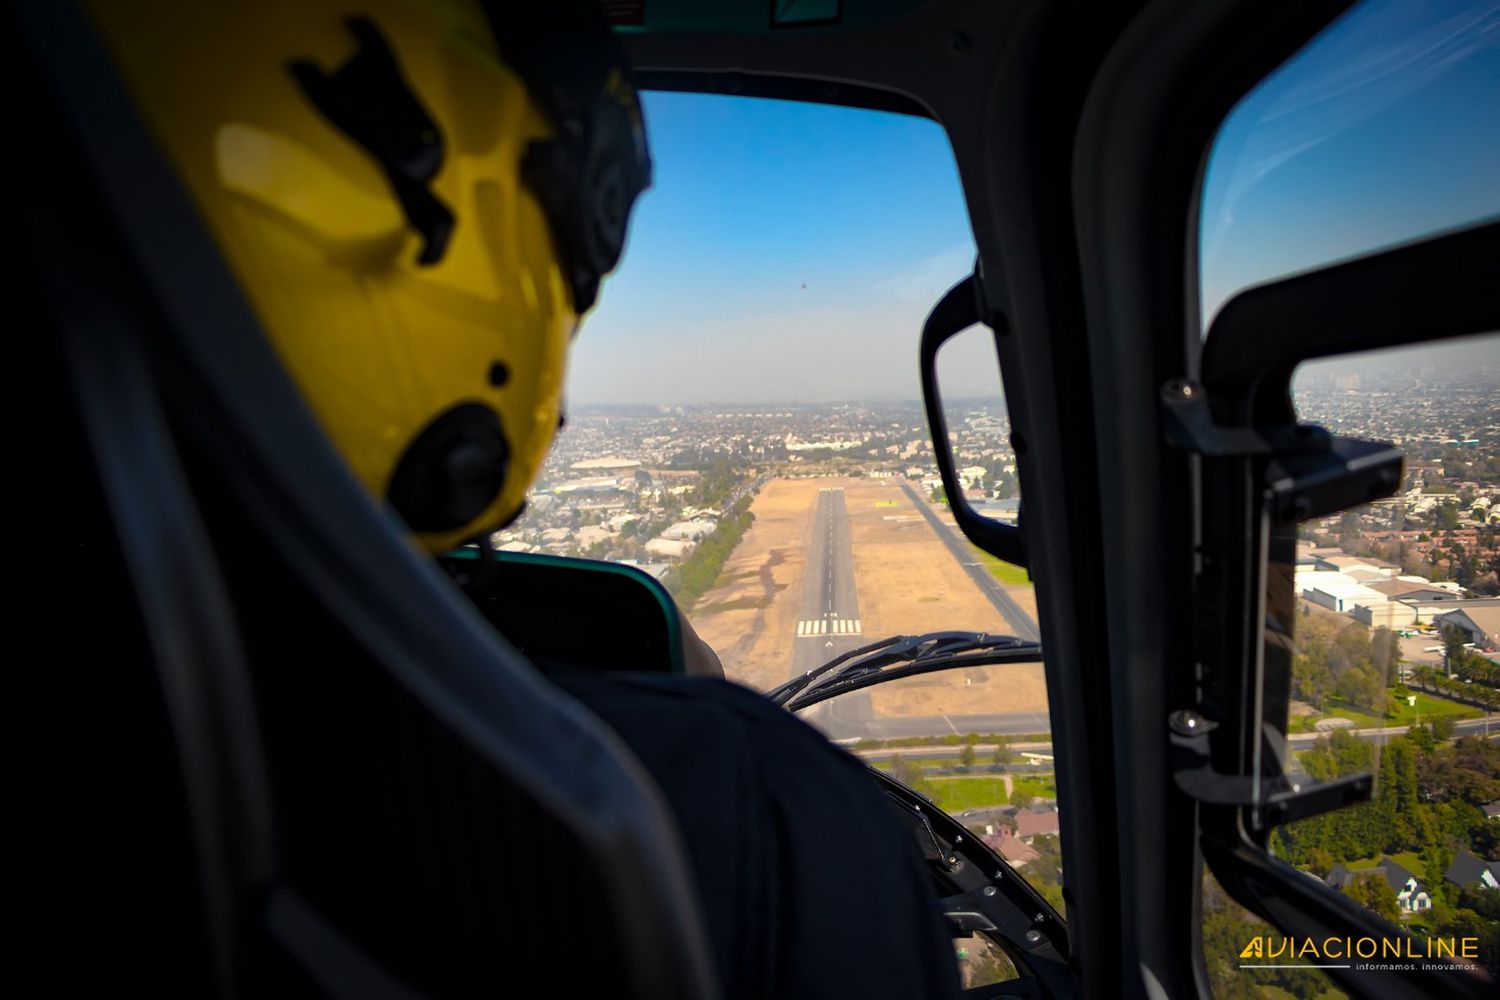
<point>1019,621</point>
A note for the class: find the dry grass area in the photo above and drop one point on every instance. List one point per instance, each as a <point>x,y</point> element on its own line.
<point>750,618</point>
<point>908,582</point>
<point>1005,689</point>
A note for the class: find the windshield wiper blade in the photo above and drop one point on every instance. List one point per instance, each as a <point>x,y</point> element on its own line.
<point>782,693</point>
<point>882,666</point>
<point>902,656</point>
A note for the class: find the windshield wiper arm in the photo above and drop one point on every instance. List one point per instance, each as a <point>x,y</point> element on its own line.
<point>902,656</point>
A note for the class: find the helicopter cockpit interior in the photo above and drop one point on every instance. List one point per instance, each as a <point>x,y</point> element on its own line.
<point>975,416</point>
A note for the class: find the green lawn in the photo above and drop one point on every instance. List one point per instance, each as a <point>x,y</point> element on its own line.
<point>937,762</point>
<point>1429,707</point>
<point>1011,576</point>
<point>983,761</point>
<point>1041,786</point>
<point>1409,860</point>
<point>1337,709</point>
<point>954,740</point>
<point>954,795</point>
<point>1426,709</point>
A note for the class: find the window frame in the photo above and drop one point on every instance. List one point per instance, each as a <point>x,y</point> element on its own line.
<point>1434,288</point>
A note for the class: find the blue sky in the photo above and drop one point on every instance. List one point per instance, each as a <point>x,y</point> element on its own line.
<point>785,251</point>
<point>789,252</point>
<point>1383,129</point>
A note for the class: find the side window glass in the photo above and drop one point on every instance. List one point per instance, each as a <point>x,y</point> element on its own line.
<point>1379,132</point>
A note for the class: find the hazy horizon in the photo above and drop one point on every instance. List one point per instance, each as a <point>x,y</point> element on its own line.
<point>1459,356</point>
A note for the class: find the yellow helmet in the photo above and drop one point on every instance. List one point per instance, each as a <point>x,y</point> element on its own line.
<point>418,200</point>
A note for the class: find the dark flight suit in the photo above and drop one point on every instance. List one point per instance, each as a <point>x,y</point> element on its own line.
<point>809,884</point>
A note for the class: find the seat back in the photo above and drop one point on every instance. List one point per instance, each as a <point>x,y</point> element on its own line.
<point>580,613</point>
<point>351,783</point>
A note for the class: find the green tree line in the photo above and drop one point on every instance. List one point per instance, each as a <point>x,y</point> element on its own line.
<point>1344,660</point>
<point>1429,799</point>
<point>690,579</point>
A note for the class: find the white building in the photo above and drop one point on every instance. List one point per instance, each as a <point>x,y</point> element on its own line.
<point>1336,591</point>
<point>668,548</point>
<point>694,530</point>
<point>589,535</point>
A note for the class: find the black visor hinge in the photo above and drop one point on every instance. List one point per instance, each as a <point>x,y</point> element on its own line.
<point>1273,800</point>
<point>370,101</point>
<point>1308,473</point>
<point>590,173</point>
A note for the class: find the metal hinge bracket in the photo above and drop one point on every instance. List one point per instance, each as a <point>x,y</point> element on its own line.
<point>1274,799</point>
<point>1309,472</point>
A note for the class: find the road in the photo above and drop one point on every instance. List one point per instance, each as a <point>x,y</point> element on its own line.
<point>1019,621</point>
<point>981,750</point>
<point>1485,726</point>
<point>744,489</point>
<point>1008,723</point>
<point>1489,726</point>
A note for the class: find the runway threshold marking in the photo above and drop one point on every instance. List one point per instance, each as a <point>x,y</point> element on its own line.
<point>829,626</point>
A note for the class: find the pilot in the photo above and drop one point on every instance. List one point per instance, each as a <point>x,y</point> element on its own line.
<point>420,202</point>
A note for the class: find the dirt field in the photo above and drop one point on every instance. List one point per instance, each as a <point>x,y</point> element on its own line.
<point>750,618</point>
<point>908,582</point>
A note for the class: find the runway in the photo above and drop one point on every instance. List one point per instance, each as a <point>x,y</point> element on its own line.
<point>828,622</point>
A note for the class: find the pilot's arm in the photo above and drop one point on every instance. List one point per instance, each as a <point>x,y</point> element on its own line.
<point>698,657</point>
